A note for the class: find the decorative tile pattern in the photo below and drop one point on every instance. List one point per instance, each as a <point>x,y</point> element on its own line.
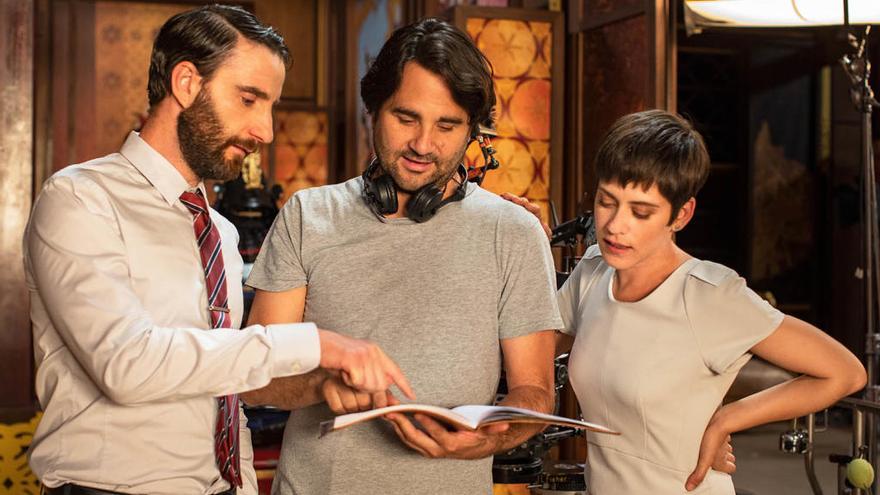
<point>300,150</point>
<point>521,54</point>
<point>124,34</point>
<point>16,477</point>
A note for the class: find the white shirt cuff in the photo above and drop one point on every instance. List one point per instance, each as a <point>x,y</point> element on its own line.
<point>296,346</point>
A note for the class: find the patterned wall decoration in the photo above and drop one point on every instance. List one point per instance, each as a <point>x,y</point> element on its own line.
<point>521,54</point>
<point>16,477</point>
<point>124,33</point>
<point>300,150</point>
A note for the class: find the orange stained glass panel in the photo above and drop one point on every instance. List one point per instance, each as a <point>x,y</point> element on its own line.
<point>300,150</point>
<point>521,56</point>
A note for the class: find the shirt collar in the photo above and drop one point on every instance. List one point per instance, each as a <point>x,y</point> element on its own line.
<point>156,169</point>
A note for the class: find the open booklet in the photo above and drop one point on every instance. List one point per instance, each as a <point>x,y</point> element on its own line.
<point>464,417</point>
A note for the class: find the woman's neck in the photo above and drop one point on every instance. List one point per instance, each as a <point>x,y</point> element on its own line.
<point>636,282</point>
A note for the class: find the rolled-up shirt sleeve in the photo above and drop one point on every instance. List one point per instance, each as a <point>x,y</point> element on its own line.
<point>77,263</point>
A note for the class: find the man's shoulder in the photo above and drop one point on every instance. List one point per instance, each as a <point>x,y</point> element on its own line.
<point>339,191</point>
<point>326,197</point>
<point>503,213</point>
<point>109,165</point>
<point>96,177</point>
<point>490,201</point>
<point>326,204</point>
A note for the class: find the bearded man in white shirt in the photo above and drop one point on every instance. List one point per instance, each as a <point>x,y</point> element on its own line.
<point>136,284</point>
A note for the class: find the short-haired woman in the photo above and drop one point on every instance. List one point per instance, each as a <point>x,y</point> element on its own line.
<point>657,336</point>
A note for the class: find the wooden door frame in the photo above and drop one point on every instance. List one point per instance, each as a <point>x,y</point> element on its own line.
<point>16,183</point>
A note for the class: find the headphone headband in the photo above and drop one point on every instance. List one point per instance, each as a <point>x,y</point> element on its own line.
<point>380,193</point>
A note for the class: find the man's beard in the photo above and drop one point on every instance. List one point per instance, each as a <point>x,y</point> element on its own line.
<point>443,170</point>
<point>203,143</point>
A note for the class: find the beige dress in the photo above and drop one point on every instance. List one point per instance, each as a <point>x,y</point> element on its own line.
<point>657,369</point>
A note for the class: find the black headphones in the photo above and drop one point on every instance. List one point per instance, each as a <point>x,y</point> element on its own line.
<point>380,193</point>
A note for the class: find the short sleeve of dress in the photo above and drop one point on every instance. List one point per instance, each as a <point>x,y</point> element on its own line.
<point>726,317</point>
<point>575,288</point>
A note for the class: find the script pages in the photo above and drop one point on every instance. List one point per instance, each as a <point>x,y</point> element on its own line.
<point>464,417</point>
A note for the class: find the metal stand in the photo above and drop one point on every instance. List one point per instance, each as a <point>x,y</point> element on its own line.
<point>867,409</point>
<point>858,69</point>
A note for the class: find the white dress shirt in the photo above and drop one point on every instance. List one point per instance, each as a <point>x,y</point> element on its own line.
<point>128,366</point>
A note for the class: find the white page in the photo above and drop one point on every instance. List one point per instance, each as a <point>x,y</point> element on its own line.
<point>477,414</point>
<point>469,416</point>
<point>348,419</point>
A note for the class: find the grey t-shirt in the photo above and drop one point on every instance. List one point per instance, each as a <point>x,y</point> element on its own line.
<point>436,296</point>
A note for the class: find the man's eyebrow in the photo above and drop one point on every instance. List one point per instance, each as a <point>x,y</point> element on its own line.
<point>415,116</point>
<point>451,120</point>
<point>407,112</point>
<point>259,93</point>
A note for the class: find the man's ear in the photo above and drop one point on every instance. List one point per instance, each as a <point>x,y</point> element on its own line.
<point>186,82</point>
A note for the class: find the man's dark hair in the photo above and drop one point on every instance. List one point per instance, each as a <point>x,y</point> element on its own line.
<point>205,37</point>
<point>442,49</point>
<point>651,147</point>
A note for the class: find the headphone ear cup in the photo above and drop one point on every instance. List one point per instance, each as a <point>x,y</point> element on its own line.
<point>424,203</point>
<point>385,193</point>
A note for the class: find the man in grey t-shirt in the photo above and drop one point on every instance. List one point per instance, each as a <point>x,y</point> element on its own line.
<point>449,279</point>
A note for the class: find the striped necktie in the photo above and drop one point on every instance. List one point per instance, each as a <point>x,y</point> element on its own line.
<point>208,238</point>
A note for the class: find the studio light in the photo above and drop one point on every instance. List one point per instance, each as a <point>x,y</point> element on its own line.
<point>778,13</point>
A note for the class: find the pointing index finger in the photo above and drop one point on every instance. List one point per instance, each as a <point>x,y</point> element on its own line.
<point>397,376</point>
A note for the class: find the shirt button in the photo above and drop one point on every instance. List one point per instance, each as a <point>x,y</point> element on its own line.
<point>297,367</point>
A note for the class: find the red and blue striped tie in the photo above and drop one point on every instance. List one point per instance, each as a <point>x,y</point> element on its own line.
<point>208,237</point>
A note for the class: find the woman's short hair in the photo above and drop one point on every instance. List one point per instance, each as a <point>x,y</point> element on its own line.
<point>655,147</point>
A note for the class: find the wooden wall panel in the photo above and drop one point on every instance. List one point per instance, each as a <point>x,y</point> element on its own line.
<point>100,55</point>
<point>16,142</point>
<point>616,79</point>
<point>297,21</point>
<point>83,96</point>
<point>120,56</point>
<point>58,106</point>
<point>622,60</point>
<point>588,14</point>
